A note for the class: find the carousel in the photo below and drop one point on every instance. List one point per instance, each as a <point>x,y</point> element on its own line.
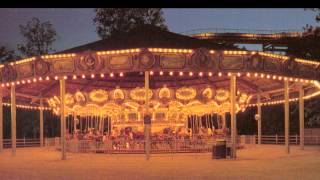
<point>169,107</point>
<point>151,80</point>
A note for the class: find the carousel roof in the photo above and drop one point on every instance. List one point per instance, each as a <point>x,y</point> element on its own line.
<point>174,60</point>
<point>147,36</point>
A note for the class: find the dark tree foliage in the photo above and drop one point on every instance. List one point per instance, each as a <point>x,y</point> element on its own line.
<point>28,124</point>
<point>309,47</point>
<point>7,55</point>
<point>111,21</point>
<point>311,114</point>
<point>39,37</point>
<point>317,18</point>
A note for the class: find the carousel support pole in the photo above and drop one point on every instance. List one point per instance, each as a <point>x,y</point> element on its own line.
<point>211,123</point>
<point>63,119</point>
<point>218,121</point>
<point>223,120</point>
<point>259,113</point>
<point>197,123</point>
<point>102,125</point>
<point>286,115</point>
<point>13,120</point>
<point>301,116</point>
<point>80,124</point>
<point>194,125</point>
<point>1,121</point>
<point>99,123</point>
<point>207,121</point>
<point>233,116</point>
<point>74,122</point>
<point>110,128</point>
<point>147,126</point>
<point>41,122</point>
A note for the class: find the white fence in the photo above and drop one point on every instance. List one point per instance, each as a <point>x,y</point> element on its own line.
<point>162,146</point>
<point>22,143</point>
<point>278,139</point>
<point>170,146</point>
<point>134,146</point>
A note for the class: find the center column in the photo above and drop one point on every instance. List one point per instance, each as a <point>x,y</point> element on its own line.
<point>147,117</point>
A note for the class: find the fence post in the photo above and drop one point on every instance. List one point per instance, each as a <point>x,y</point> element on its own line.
<point>24,141</point>
<point>276,138</point>
<point>296,139</point>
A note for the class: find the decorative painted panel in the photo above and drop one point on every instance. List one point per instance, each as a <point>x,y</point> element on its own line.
<point>25,70</point>
<point>201,58</point>
<point>306,70</point>
<point>119,62</point>
<point>89,62</point>
<point>172,61</point>
<point>146,59</point>
<point>232,62</point>
<point>9,73</point>
<point>41,67</point>
<point>290,67</point>
<point>65,66</point>
<point>255,63</point>
<point>271,65</point>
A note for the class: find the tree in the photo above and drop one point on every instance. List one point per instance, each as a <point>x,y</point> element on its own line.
<point>39,37</point>
<point>110,21</point>
<point>317,18</point>
<point>308,47</point>
<point>7,55</point>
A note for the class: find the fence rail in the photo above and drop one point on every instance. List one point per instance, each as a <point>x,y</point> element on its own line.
<point>138,146</point>
<point>279,139</point>
<point>165,146</point>
<point>171,146</point>
<point>22,143</point>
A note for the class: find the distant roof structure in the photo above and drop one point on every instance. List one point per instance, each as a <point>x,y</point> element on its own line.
<point>148,36</point>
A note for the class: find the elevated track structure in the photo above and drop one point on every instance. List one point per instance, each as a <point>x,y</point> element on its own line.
<point>271,40</point>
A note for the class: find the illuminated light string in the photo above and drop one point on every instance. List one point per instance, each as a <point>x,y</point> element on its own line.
<point>282,101</point>
<point>274,55</point>
<point>23,61</point>
<point>53,56</point>
<point>165,50</point>
<point>235,52</point>
<point>171,73</point>
<point>28,107</point>
<point>307,61</point>
<point>124,51</point>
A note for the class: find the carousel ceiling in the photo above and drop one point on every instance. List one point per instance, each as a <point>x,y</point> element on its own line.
<point>194,100</point>
<point>37,77</point>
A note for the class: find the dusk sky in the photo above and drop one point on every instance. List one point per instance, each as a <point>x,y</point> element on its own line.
<point>75,26</point>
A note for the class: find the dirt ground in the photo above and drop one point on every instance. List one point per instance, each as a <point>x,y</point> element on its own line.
<point>253,162</point>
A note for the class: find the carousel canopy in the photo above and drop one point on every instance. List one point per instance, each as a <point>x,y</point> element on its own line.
<point>147,36</point>
<point>173,60</point>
